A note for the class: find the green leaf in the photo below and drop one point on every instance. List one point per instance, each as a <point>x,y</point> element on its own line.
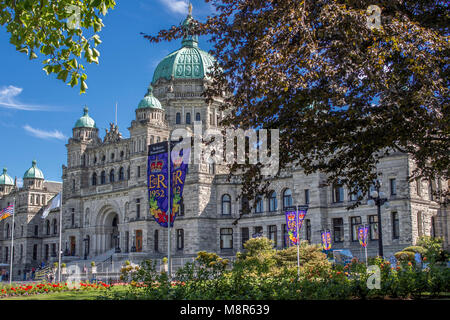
<point>62,75</point>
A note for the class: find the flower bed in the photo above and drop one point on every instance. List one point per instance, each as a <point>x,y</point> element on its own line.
<point>43,288</point>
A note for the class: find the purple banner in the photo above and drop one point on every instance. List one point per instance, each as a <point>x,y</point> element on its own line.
<point>157,182</point>
<point>326,240</point>
<point>362,235</point>
<point>294,217</point>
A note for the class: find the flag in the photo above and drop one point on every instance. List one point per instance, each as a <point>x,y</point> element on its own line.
<point>55,203</point>
<point>7,212</point>
<point>362,235</point>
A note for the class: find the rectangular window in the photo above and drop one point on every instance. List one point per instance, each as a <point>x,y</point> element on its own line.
<point>338,229</point>
<point>73,217</point>
<point>273,234</point>
<point>138,208</point>
<point>395,226</point>
<point>338,193</point>
<point>226,238</point>
<point>35,252</point>
<point>418,187</point>
<point>53,249</point>
<point>180,239</point>
<point>139,171</point>
<point>433,227</point>
<point>156,241</point>
<point>373,227</point>
<point>306,196</point>
<point>355,223</point>
<point>393,184</point>
<point>258,232</point>
<point>245,235</point>
<point>308,230</point>
<point>36,230</point>
<point>285,236</point>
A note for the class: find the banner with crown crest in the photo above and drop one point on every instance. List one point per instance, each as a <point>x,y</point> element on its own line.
<point>363,230</point>
<point>157,172</point>
<point>326,240</point>
<point>294,217</point>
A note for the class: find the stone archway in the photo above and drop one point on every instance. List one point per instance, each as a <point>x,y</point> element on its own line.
<point>107,230</point>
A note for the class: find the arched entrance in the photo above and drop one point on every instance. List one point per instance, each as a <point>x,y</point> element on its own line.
<point>107,231</point>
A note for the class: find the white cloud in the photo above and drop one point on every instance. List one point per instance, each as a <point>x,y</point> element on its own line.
<point>19,182</point>
<point>177,6</point>
<point>8,99</point>
<point>42,134</point>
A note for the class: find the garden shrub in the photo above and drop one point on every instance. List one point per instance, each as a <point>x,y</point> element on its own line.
<point>416,249</point>
<point>404,256</point>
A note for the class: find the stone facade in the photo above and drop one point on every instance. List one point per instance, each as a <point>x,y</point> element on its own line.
<point>35,239</point>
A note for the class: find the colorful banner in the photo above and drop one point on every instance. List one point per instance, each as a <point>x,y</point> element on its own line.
<point>294,217</point>
<point>326,240</point>
<point>7,212</point>
<point>157,173</point>
<point>362,235</point>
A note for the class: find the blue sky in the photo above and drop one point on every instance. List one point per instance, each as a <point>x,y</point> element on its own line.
<point>38,112</point>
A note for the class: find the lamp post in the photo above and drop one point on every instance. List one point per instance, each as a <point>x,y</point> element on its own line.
<point>378,199</point>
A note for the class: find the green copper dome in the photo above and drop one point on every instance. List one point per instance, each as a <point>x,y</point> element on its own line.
<point>150,101</point>
<point>34,172</point>
<point>85,121</point>
<point>5,179</point>
<point>189,62</point>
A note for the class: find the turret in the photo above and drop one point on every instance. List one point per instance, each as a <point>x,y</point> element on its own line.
<point>33,177</point>
<point>6,183</point>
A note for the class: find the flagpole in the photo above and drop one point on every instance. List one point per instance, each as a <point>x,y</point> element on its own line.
<point>60,236</point>
<point>12,244</point>
<point>365,248</point>
<point>168,210</point>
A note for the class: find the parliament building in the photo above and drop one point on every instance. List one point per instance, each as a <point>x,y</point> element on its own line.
<point>105,199</point>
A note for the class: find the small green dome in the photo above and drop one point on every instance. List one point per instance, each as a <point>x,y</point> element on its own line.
<point>189,62</point>
<point>85,121</point>
<point>150,101</point>
<point>5,179</point>
<point>34,172</point>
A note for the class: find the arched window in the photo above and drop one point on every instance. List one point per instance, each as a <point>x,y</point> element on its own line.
<point>55,226</point>
<point>128,173</point>
<point>197,116</point>
<point>338,192</point>
<point>259,204</point>
<point>47,224</point>
<point>7,230</point>
<point>94,179</point>
<point>245,205</point>
<point>178,118</point>
<point>121,174</point>
<point>287,198</point>
<point>273,206</point>
<point>111,175</point>
<point>103,177</point>
<point>188,118</point>
<point>226,204</point>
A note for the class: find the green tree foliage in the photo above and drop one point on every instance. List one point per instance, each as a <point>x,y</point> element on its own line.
<point>61,31</point>
<point>434,251</point>
<point>342,92</point>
